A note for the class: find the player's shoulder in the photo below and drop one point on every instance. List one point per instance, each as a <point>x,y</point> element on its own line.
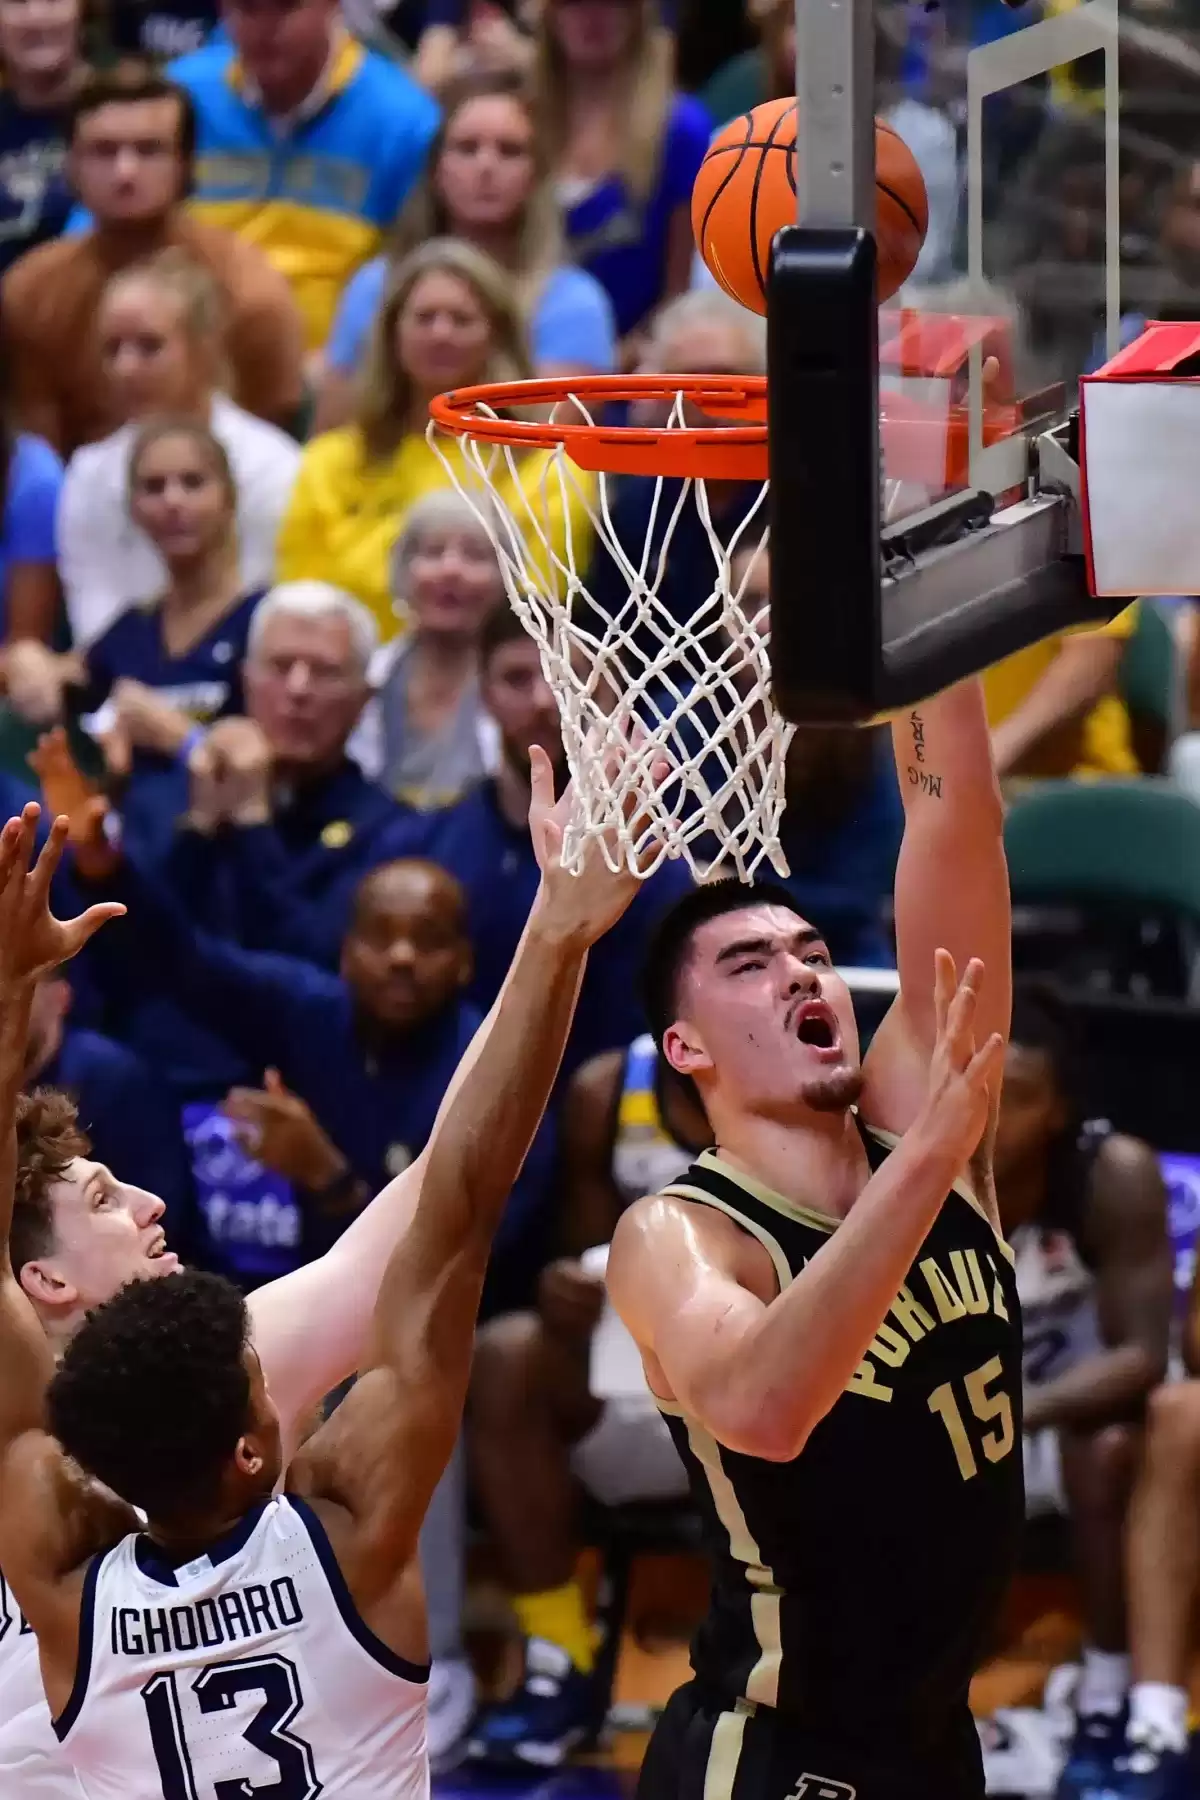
<point>1124,1180</point>
<point>1119,1153</point>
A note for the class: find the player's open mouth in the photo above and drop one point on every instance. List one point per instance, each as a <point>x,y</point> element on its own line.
<point>158,1252</point>
<point>815,1024</point>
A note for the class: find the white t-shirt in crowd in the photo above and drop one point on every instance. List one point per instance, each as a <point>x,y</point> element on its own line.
<point>107,564</point>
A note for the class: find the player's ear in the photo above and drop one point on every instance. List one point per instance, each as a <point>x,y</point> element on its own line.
<point>47,1288</point>
<point>248,1459</point>
<point>684,1049</point>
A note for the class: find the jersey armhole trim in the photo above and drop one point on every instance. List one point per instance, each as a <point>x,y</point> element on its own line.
<point>376,1649</point>
<point>960,1186</point>
<point>83,1667</point>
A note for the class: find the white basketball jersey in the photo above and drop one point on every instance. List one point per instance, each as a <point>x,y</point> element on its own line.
<point>1058,1302</point>
<point>247,1670</point>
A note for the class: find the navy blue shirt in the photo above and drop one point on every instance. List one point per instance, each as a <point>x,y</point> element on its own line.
<point>34,197</point>
<point>289,886</point>
<point>378,1105</point>
<point>161,29</point>
<point>131,1118</point>
<point>285,887</point>
<point>204,683</point>
<point>496,865</point>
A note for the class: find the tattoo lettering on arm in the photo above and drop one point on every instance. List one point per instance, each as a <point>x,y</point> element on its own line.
<point>918,775</point>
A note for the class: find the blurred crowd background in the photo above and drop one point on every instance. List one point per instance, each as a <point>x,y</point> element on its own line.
<point>258,647</point>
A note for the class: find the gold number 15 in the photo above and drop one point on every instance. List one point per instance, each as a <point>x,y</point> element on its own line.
<point>989,1404</point>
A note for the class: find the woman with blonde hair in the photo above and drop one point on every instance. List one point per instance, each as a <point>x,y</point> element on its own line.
<point>626,147</point>
<point>161,331</point>
<point>426,735</point>
<point>451,319</point>
<point>488,182</point>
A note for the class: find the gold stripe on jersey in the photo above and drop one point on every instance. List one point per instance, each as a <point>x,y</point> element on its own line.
<point>724,1754</point>
<point>791,1209</point>
<point>679,1190</point>
<point>762,1684</point>
<point>889,1140</point>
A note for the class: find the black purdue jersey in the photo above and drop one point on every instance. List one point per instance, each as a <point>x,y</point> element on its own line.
<point>854,1587</point>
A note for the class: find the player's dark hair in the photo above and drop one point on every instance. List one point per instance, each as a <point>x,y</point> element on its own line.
<point>49,1138</point>
<point>671,940</point>
<point>152,1393</point>
<point>501,627</point>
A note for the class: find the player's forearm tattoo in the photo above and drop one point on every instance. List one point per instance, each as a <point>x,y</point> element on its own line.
<point>918,775</point>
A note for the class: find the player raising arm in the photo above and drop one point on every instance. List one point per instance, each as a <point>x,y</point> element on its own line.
<point>315,1597</point>
<point>828,1316</point>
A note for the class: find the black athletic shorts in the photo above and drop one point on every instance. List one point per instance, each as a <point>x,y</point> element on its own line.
<point>703,1750</point>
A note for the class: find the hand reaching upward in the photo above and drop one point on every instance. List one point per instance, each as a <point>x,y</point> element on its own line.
<point>586,904</point>
<point>32,940</point>
<point>962,1079</point>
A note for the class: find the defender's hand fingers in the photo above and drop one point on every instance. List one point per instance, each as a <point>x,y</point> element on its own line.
<point>945,983</point>
<point>986,1067</point>
<point>46,867</point>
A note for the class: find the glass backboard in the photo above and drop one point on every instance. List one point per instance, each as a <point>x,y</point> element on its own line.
<point>1059,145</point>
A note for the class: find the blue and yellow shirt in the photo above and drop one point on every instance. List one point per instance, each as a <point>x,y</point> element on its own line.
<point>318,193</point>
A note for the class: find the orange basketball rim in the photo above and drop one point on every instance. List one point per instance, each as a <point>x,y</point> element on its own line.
<point>733,451</point>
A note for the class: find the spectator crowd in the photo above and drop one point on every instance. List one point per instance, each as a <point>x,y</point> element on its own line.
<point>258,647</point>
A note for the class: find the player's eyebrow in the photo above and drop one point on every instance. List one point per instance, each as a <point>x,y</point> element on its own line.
<point>762,946</point>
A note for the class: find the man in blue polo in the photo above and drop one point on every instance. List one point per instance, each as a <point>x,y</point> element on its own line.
<point>307,144</point>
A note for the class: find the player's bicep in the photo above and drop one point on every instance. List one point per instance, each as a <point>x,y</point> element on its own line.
<point>53,1519</point>
<point>686,1310</point>
<point>312,1328</point>
<point>379,1458</point>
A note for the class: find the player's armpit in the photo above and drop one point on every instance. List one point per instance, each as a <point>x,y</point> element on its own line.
<point>951,893</point>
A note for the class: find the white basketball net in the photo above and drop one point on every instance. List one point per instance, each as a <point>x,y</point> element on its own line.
<point>700,687</point>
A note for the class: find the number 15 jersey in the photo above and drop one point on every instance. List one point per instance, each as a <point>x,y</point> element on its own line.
<point>247,1670</point>
<point>853,1588</point>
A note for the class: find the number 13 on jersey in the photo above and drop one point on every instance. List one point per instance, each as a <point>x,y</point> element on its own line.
<point>989,1407</point>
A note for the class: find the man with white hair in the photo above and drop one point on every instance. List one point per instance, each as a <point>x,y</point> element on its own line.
<point>701,333</point>
<point>283,822</point>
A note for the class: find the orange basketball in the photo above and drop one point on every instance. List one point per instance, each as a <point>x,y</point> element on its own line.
<point>746,192</point>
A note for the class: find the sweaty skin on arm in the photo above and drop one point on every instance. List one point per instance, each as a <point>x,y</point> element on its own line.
<point>951,893</point>
<point>1126,1232</point>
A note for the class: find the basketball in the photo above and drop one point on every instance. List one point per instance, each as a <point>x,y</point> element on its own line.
<point>746,192</point>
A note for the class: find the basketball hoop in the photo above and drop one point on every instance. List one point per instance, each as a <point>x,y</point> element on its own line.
<point>698,685</point>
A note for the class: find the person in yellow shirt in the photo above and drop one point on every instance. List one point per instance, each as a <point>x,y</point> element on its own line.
<point>1054,707</point>
<point>450,319</point>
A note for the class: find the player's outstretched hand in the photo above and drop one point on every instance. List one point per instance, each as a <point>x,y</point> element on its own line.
<point>588,903</point>
<point>962,1077</point>
<point>32,940</point>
